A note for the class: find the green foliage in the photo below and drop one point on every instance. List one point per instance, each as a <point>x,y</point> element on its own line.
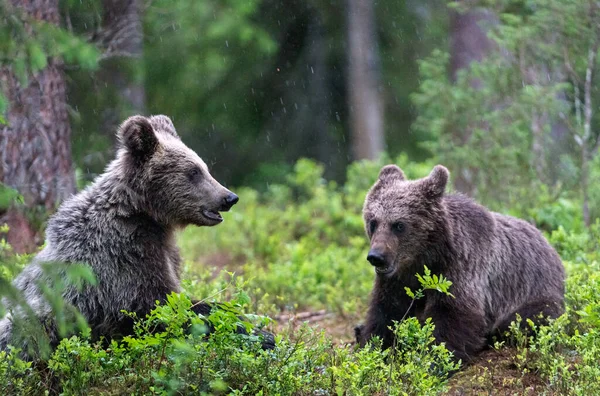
<point>469,131</point>
<point>428,282</point>
<point>56,280</point>
<point>510,125</point>
<point>595,188</point>
<point>8,197</point>
<point>165,357</point>
<point>552,212</point>
<point>578,246</point>
<point>227,49</point>
<point>16,375</point>
<point>26,44</point>
<point>566,352</point>
<point>298,244</point>
<point>418,367</point>
<point>293,257</point>
<point>247,80</point>
<point>301,245</point>
<point>431,282</point>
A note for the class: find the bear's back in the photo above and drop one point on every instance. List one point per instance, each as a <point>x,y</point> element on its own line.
<point>502,259</point>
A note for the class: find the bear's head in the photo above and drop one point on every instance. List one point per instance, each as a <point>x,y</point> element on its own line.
<point>170,181</point>
<point>402,217</point>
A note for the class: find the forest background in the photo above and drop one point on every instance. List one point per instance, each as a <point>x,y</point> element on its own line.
<point>502,92</point>
<point>295,105</point>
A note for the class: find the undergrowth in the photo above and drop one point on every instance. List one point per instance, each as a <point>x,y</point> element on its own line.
<point>301,247</point>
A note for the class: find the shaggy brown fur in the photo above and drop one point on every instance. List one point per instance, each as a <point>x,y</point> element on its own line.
<point>499,265</point>
<point>123,226</point>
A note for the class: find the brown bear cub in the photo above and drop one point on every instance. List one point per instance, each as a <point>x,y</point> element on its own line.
<point>123,226</point>
<point>500,266</point>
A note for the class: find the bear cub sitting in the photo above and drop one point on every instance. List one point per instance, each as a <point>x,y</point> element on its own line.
<point>500,266</point>
<point>123,226</point>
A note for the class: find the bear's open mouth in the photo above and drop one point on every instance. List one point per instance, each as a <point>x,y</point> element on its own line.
<point>212,215</point>
<point>384,270</point>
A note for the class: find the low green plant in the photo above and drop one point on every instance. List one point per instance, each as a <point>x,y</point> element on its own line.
<point>300,246</point>
<point>27,329</point>
<point>429,282</point>
<point>565,352</point>
<point>417,366</point>
<point>171,353</point>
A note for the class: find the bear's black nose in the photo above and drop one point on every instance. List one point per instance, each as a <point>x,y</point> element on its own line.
<point>230,200</point>
<point>376,258</point>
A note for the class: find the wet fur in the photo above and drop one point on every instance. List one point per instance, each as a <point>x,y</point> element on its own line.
<point>499,265</point>
<point>123,226</point>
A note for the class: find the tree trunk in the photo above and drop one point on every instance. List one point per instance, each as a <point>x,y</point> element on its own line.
<point>121,37</point>
<point>320,145</point>
<point>587,129</point>
<point>549,136</point>
<point>468,43</point>
<point>35,146</point>
<point>297,108</point>
<point>560,142</point>
<point>365,102</point>
<point>468,38</point>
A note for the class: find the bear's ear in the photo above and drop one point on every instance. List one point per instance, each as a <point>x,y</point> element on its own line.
<point>137,136</point>
<point>391,172</point>
<point>435,183</point>
<point>164,124</point>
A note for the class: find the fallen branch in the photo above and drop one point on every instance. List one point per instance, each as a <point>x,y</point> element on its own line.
<point>313,316</point>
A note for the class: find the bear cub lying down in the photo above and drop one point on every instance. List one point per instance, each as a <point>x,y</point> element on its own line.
<point>500,266</point>
<point>123,226</point>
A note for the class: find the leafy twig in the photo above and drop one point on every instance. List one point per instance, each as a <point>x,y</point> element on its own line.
<point>428,282</point>
<point>211,296</point>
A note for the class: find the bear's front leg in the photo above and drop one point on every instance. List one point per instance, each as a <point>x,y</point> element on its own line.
<point>462,329</point>
<point>267,339</point>
<point>358,333</point>
<point>380,318</point>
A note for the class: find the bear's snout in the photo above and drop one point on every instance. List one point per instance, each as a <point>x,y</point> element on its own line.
<point>229,200</point>
<point>376,258</point>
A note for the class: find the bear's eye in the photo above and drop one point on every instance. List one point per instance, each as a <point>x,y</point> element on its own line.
<point>372,226</point>
<point>398,227</point>
<point>194,174</point>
